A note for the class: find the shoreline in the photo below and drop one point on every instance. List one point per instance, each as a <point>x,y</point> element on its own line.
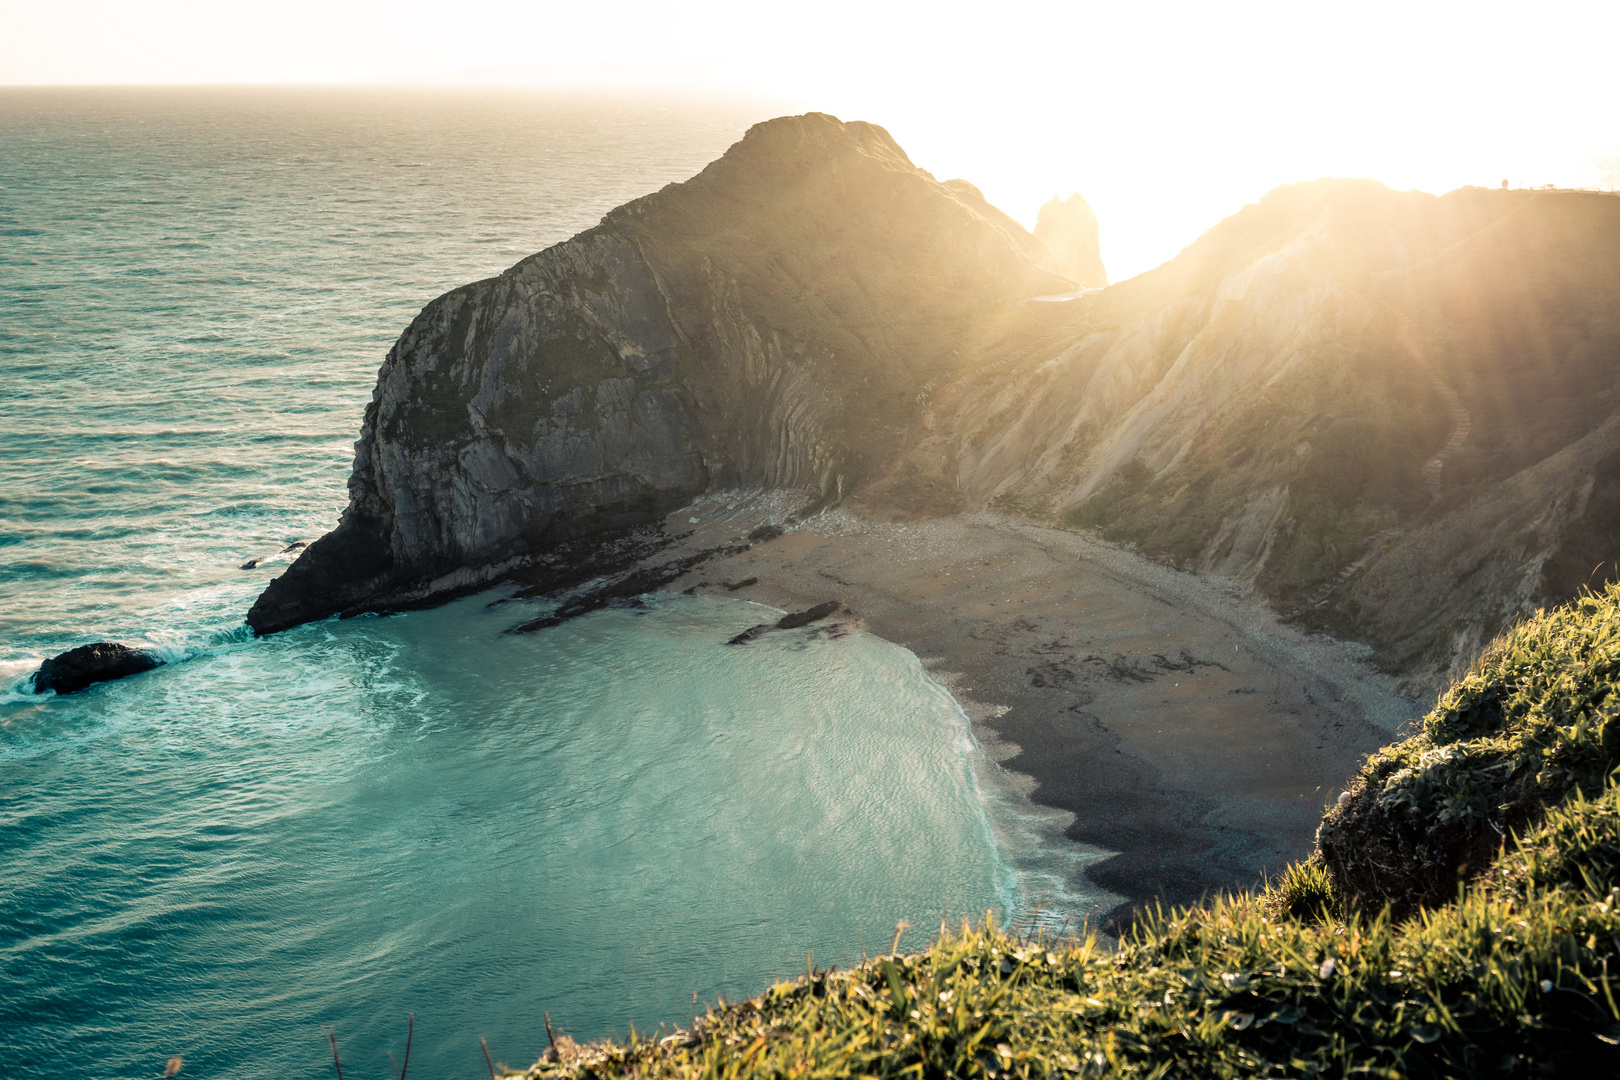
<point>1185,729</point>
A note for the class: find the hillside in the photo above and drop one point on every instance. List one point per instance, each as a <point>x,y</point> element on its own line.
<point>1394,415</point>
<point>1389,413</point>
<point>1500,965</point>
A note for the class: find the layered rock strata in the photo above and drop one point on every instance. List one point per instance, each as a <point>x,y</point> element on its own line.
<point>1394,415</point>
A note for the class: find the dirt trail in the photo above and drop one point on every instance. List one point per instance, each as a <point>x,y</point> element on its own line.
<point>1182,725</point>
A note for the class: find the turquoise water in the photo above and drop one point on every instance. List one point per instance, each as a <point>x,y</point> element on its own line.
<point>353,821</point>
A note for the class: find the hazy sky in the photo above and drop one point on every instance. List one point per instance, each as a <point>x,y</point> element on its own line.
<point>1166,116</point>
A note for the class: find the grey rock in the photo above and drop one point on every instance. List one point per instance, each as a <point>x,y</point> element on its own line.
<point>76,669</point>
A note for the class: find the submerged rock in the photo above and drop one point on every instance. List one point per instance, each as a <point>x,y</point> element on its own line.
<point>87,665</point>
<point>259,560</point>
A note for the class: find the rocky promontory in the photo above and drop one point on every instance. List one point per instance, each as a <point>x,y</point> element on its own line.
<point>780,320</point>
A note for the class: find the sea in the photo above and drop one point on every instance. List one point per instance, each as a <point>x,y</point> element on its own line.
<point>414,826</point>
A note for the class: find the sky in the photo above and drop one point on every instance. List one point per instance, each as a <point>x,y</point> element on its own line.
<point>1166,116</point>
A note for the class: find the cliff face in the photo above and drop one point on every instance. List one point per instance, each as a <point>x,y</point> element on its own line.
<point>776,320</point>
<point>1392,414</point>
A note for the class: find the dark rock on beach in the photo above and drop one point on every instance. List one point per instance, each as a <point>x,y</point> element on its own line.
<point>87,665</point>
<point>795,619</point>
<point>626,587</point>
<point>791,621</point>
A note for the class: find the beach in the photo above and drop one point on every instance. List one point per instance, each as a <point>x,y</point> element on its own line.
<point>1184,726</point>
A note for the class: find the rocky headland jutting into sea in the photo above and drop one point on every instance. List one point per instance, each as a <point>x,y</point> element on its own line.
<point>1387,413</point>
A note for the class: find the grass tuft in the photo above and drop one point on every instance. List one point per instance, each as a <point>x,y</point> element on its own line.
<point>1536,720</point>
<point>1304,892</point>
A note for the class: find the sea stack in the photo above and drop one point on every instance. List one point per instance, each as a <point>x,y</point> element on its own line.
<point>1068,229</point>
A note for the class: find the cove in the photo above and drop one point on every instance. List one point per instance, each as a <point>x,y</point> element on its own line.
<point>352,821</point>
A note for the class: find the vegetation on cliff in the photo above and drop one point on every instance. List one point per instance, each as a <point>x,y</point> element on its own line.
<point>1462,918</point>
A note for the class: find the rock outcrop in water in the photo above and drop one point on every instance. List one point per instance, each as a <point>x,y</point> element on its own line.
<point>778,320</point>
<point>77,669</point>
<point>1392,414</point>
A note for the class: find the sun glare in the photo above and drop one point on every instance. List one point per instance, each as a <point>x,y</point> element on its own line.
<point>1166,117</point>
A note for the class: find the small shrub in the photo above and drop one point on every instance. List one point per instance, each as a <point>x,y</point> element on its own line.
<point>1303,892</point>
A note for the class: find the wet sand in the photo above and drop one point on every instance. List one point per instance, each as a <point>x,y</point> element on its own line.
<point>1172,715</point>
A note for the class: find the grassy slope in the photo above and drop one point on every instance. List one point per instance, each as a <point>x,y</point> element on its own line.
<point>1513,974</point>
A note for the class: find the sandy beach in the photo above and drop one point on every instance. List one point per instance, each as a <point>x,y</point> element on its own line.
<point>1183,726</point>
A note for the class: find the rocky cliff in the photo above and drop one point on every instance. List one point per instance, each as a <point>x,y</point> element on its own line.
<point>777,320</point>
<point>1392,414</point>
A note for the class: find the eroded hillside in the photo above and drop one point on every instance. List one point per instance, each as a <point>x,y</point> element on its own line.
<point>1391,413</point>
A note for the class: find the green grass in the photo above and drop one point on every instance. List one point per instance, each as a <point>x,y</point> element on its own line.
<point>1533,722</point>
<point>1515,973</point>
